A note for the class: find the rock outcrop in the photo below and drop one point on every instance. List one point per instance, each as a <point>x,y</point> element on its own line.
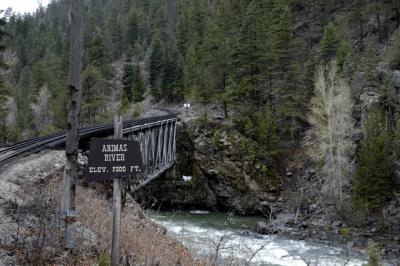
<point>212,173</point>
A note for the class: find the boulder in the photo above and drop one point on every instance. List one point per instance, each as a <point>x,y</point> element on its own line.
<point>218,117</point>
<point>369,98</point>
<point>265,229</point>
<point>225,142</point>
<point>203,147</point>
<point>212,172</point>
<point>396,78</point>
<point>284,219</point>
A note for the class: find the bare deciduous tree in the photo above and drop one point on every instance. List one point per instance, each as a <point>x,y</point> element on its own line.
<point>331,116</point>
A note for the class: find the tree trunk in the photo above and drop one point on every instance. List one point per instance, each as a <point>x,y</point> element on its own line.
<point>75,85</point>
<point>226,109</point>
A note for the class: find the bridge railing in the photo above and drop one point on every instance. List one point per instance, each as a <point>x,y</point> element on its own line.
<point>158,145</point>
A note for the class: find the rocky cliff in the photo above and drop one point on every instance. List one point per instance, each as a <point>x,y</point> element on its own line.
<point>213,173</point>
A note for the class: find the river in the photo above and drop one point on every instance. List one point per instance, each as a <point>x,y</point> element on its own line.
<point>202,232</point>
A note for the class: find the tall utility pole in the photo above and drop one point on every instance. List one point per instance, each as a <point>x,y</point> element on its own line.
<point>72,142</point>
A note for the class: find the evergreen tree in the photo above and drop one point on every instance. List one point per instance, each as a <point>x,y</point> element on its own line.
<point>132,83</point>
<point>183,29</point>
<point>132,29</point>
<point>138,86</point>
<point>285,80</point>
<point>93,95</point>
<point>127,81</point>
<point>219,42</point>
<point>372,184</point>
<point>3,92</point>
<point>204,94</point>
<point>95,74</point>
<point>172,74</point>
<point>156,67</point>
<point>250,51</point>
<point>97,54</point>
<point>344,56</point>
<point>114,33</point>
<point>329,44</point>
<point>369,63</point>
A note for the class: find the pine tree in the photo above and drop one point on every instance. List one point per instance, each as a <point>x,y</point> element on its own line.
<point>132,83</point>
<point>372,184</point>
<point>183,29</point>
<point>204,94</point>
<point>132,33</point>
<point>250,51</point>
<point>98,55</point>
<point>114,33</point>
<point>285,79</point>
<point>344,56</point>
<point>329,44</point>
<point>369,63</point>
<point>219,42</point>
<point>138,86</point>
<point>93,95</point>
<point>127,81</point>
<point>197,22</point>
<point>172,73</point>
<point>3,92</point>
<point>156,67</point>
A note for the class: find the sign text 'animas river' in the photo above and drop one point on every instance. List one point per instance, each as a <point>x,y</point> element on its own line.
<point>111,158</point>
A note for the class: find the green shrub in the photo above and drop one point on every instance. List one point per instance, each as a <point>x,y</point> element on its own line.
<point>374,259</point>
<point>103,259</point>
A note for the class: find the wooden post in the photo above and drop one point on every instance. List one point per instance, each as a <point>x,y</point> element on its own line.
<point>116,230</point>
<point>72,136</point>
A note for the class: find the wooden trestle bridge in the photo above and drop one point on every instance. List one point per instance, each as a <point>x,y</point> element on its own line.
<point>156,135</point>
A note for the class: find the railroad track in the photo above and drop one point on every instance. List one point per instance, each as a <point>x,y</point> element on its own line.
<point>58,139</point>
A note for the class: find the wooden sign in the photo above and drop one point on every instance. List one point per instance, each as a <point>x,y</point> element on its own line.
<point>111,158</point>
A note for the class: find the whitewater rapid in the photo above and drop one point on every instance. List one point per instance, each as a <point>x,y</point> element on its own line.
<point>237,245</point>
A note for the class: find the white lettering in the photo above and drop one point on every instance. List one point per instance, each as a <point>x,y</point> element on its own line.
<point>119,169</point>
<point>135,168</point>
<point>98,169</point>
<point>115,148</point>
<point>114,157</point>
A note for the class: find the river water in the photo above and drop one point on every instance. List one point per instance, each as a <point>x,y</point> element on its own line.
<point>202,232</point>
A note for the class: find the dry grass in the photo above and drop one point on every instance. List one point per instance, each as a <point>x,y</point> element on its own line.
<point>143,242</point>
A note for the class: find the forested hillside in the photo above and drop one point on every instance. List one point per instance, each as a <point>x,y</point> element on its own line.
<point>279,67</point>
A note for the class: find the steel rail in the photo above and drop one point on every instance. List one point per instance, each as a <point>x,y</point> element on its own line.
<point>59,138</point>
